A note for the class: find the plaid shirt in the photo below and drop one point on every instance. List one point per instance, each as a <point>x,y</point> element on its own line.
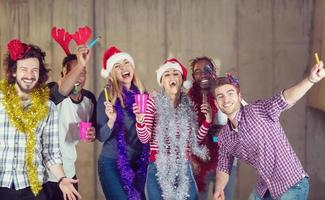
<point>12,149</point>
<point>261,142</point>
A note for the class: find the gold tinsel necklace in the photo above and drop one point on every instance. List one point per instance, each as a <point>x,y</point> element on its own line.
<point>26,121</point>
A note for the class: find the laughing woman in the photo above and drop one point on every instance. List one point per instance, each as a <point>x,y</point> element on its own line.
<point>123,161</point>
<point>170,127</point>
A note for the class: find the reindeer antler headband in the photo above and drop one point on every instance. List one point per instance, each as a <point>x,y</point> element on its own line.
<point>63,38</point>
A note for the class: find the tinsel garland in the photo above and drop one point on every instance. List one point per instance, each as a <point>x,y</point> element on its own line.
<point>26,121</point>
<point>204,166</point>
<point>127,174</point>
<point>176,130</point>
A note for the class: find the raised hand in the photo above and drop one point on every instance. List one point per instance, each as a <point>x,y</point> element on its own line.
<point>83,55</point>
<point>110,111</point>
<point>317,73</point>
<point>139,117</point>
<point>206,110</point>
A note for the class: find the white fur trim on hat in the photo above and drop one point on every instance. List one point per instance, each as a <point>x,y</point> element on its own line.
<point>163,68</point>
<point>187,84</point>
<point>104,73</point>
<point>111,61</point>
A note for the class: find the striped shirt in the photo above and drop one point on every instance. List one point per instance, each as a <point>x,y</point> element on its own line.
<point>261,142</point>
<point>147,133</point>
<point>13,145</point>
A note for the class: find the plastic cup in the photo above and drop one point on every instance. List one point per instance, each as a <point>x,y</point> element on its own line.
<point>83,130</point>
<point>141,101</point>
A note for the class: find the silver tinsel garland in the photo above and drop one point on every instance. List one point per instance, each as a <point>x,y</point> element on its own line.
<point>171,158</point>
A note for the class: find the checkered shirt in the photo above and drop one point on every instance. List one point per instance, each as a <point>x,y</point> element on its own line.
<point>261,142</point>
<point>13,145</point>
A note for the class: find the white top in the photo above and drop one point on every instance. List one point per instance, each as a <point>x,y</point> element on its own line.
<point>70,114</point>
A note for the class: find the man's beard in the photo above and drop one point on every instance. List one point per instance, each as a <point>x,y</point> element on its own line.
<point>24,90</point>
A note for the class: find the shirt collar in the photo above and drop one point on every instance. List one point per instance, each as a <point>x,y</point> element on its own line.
<point>239,113</point>
<point>238,118</point>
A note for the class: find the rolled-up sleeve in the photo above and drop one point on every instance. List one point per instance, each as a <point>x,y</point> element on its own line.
<point>50,136</point>
<point>225,160</point>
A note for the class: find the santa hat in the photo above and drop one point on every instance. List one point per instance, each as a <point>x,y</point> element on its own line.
<point>173,63</point>
<point>112,56</point>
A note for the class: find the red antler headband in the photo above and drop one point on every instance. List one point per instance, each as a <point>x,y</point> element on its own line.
<point>17,49</point>
<point>63,38</point>
<point>82,35</point>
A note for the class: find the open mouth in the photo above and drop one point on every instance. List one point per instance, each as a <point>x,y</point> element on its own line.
<point>204,81</point>
<point>28,81</point>
<point>172,83</point>
<point>126,74</point>
<point>227,105</point>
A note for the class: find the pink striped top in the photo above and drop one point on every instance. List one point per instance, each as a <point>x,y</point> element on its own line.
<point>147,133</point>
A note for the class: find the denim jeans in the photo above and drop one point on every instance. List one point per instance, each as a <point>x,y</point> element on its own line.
<point>110,179</point>
<point>230,187</point>
<point>153,190</point>
<point>297,192</point>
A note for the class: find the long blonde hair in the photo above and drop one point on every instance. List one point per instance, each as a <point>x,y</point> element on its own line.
<point>115,88</point>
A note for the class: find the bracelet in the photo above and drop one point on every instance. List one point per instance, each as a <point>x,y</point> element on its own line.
<point>61,179</point>
<point>313,82</point>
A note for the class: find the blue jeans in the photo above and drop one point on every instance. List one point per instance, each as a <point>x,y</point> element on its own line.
<point>153,190</point>
<point>297,192</point>
<point>230,187</point>
<point>109,177</point>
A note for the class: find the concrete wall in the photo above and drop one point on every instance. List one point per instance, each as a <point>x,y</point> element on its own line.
<point>315,118</point>
<point>266,42</point>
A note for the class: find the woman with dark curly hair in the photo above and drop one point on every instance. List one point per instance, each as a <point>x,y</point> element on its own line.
<point>203,71</point>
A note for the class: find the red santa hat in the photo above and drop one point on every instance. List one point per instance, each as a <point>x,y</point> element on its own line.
<point>173,63</point>
<point>112,56</point>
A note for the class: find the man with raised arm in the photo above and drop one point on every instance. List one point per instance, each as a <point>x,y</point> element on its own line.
<point>254,135</point>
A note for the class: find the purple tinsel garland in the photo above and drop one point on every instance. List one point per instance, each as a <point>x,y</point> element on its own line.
<point>126,172</point>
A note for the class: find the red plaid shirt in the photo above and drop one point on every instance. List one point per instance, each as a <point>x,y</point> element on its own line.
<point>261,142</point>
